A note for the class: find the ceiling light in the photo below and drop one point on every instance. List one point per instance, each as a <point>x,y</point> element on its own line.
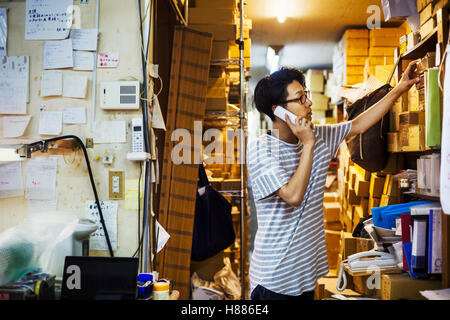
<point>282,11</point>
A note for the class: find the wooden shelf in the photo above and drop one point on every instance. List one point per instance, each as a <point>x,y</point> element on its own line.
<point>420,50</point>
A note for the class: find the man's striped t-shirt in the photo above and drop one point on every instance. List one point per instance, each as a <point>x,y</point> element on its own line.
<point>289,253</point>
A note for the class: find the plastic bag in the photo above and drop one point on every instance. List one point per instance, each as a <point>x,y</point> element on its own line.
<point>29,245</point>
<point>228,282</point>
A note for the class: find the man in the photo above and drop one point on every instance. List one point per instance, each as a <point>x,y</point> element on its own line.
<point>287,169</point>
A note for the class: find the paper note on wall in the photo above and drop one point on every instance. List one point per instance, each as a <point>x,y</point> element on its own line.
<point>74,115</point>
<point>75,86</point>
<point>15,126</point>
<point>41,178</point>
<point>84,39</point>
<point>35,206</point>
<point>110,132</point>
<point>108,60</point>
<point>14,84</point>
<point>97,241</point>
<point>161,237</point>
<point>51,83</point>
<point>131,194</point>
<point>11,184</point>
<point>83,60</point>
<point>3,31</point>
<point>48,19</point>
<point>50,122</point>
<point>58,54</point>
<point>157,117</point>
<point>445,147</point>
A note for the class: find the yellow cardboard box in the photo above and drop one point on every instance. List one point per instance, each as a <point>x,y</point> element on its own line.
<point>216,4</point>
<point>220,49</point>
<point>220,32</point>
<point>211,16</point>
<point>376,185</point>
<point>332,211</point>
<point>382,51</point>
<point>356,34</point>
<point>393,144</point>
<point>402,286</point>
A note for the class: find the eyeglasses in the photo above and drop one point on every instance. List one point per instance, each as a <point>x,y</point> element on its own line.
<point>302,99</point>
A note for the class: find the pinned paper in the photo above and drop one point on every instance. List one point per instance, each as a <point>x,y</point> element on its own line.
<point>97,241</point>
<point>15,126</point>
<point>58,54</point>
<point>110,132</point>
<point>14,81</point>
<point>36,206</point>
<point>48,19</point>
<point>153,70</point>
<point>41,178</point>
<point>50,123</point>
<point>75,86</point>
<point>51,83</point>
<point>157,117</point>
<point>445,147</point>
<point>74,115</point>
<point>11,184</point>
<point>161,237</point>
<point>83,60</point>
<point>3,31</point>
<point>84,39</point>
<point>131,194</point>
<point>108,60</point>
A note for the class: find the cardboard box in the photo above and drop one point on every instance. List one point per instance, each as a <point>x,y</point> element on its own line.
<point>333,240</point>
<point>382,51</point>
<point>314,80</point>
<point>421,4</point>
<point>388,33</point>
<point>332,211</point>
<point>356,34</point>
<point>402,286</point>
<point>412,118</point>
<point>427,28</point>
<point>330,197</point>
<point>216,104</point>
<point>354,79</point>
<point>393,144</point>
<point>429,61</point>
<point>217,92</point>
<point>416,138</point>
<point>356,61</point>
<point>356,43</point>
<point>362,187</point>
<point>355,70</point>
<point>334,225</point>
<point>413,40</point>
<point>413,99</point>
<point>327,287</point>
<point>211,16</point>
<point>381,60</point>
<point>383,41</point>
<point>220,49</point>
<point>373,203</point>
<point>367,286</point>
<point>220,32</point>
<point>365,206</point>
<point>348,219</point>
<point>353,199</point>
<point>216,4</point>
<point>426,14</point>
<point>357,215</point>
<point>376,185</point>
<point>356,51</point>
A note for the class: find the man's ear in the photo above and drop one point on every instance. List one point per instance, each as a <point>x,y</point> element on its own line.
<point>273,108</point>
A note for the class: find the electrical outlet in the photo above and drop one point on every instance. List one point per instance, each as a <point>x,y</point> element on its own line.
<point>116,185</point>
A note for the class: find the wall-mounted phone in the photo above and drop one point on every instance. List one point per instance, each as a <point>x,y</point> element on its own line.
<point>281,113</point>
<point>366,261</point>
<point>137,141</point>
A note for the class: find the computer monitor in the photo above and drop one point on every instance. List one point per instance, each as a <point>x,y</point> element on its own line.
<point>99,278</point>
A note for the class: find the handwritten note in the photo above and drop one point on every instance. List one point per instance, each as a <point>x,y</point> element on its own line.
<point>11,184</point>
<point>75,86</point>
<point>14,84</point>
<point>50,123</point>
<point>74,115</point>
<point>97,240</point>
<point>445,147</point>
<point>15,126</point>
<point>41,178</point>
<point>108,60</point>
<point>84,39</point>
<point>110,132</point>
<point>48,19</point>
<point>3,30</point>
<point>83,60</point>
<point>51,83</point>
<point>58,54</point>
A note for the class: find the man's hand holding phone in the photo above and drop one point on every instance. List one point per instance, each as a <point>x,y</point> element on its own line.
<point>302,129</point>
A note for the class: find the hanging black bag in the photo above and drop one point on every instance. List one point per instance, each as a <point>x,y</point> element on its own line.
<point>369,149</point>
<point>213,225</point>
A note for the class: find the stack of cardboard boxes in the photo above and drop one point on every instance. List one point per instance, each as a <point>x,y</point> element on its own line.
<point>221,19</point>
<point>350,55</point>
<point>315,83</point>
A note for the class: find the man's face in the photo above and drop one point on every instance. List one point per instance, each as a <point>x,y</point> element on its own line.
<point>295,91</point>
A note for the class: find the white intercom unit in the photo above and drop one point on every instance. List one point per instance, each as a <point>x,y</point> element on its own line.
<point>119,95</point>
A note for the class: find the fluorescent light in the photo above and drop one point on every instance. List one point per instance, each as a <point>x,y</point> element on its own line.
<point>9,154</point>
<point>281,11</point>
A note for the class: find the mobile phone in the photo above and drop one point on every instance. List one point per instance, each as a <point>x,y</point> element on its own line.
<point>281,113</point>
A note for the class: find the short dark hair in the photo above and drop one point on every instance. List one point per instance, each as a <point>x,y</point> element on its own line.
<point>272,90</point>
